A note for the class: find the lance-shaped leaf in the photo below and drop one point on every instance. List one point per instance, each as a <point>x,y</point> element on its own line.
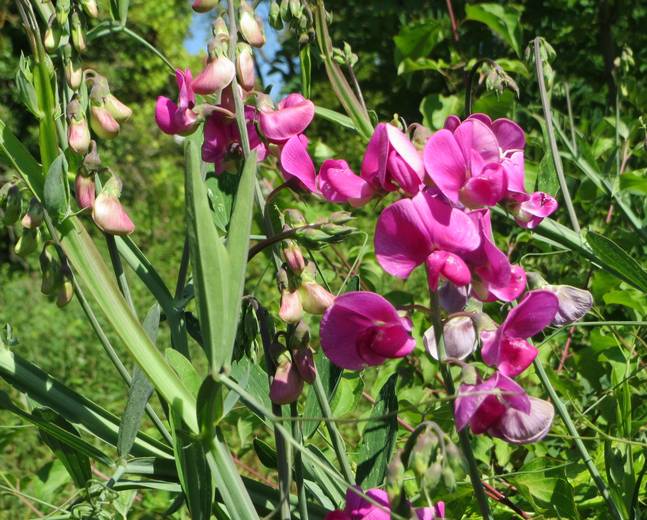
<point>209,261</point>
<point>139,392</point>
<point>44,389</point>
<point>378,441</point>
<point>611,253</point>
<point>56,196</point>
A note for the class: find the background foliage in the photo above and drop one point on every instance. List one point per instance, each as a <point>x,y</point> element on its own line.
<point>413,63</point>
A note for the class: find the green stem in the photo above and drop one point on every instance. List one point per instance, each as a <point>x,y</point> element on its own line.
<point>298,463</point>
<point>579,445</point>
<point>118,268</point>
<point>469,87</point>
<point>335,437</point>
<point>571,120</point>
<point>463,436</point>
<point>557,160</point>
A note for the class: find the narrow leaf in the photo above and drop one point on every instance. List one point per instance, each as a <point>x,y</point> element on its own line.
<point>306,67</point>
<point>185,370</point>
<point>209,261</point>
<point>611,253</point>
<point>56,195</point>
<point>378,441</point>
<point>335,117</point>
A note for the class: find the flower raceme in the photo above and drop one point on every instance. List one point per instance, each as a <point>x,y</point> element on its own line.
<point>500,407</point>
<point>363,329</point>
<point>359,508</point>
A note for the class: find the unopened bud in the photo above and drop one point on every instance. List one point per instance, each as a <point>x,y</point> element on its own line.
<point>433,475</point>
<point>249,26</point>
<point>459,337</point>
<point>84,191</point>
<point>340,217</point>
<point>296,9</point>
<point>275,16</point>
<point>299,336</point>
<point>34,216</point>
<point>78,135</point>
<point>287,384</point>
<point>294,218</point>
<point>394,478</point>
<point>449,479</point>
<point>454,456</point>
<point>90,8</point>
<point>421,453</point>
<point>78,34</point>
<point>52,38</point>
<point>50,267</point>
<point>291,310</point>
<point>73,75</point>
<point>294,257</point>
<point>103,123</point>
<point>65,293</point>
<point>264,103</point>
<point>117,109</point>
<point>452,297</point>
<point>28,242</point>
<point>108,213</point>
<point>220,30</point>
<point>11,202</point>
<point>420,135</point>
<point>204,6</point>
<point>62,11</point>
<point>574,303</point>
<point>314,298</point>
<point>217,74</point>
<point>305,363</point>
<point>92,161</point>
<point>245,66</point>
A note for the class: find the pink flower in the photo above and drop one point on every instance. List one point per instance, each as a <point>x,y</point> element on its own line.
<point>465,164</point>
<point>178,118</point>
<point>337,183</point>
<point>358,508</point>
<point>287,383</point>
<point>425,229</point>
<point>296,163</point>
<point>431,513</point>
<point>391,161</point>
<point>500,407</point>
<point>507,348</point>
<point>291,118</point>
<point>529,213</point>
<point>363,329</point>
<point>216,75</point>
<point>494,277</point>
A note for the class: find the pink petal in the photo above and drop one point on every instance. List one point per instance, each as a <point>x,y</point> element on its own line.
<point>486,189</point>
<point>513,289</point>
<point>514,167</point>
<point>509,134</point>
<point>489,263</point>
<point>338,183</point>
<point>532,315</point>
<point>512,394</point>
<point>401,174</point>
<point>452,122</point>
<point>540,204</point>
<point>409,154</point>
<point>165,110</point>
<point>373,168</point>
<point>360,508</point>
<point>186,96</point>
<point>517,427</point>
<point>293,116</point>
<point>483,118</point>
<point>216,75</point>
<point>450,229</point>
<point>445,163</point>
<point>459,335</point>
<point>474,135</point>
<point>296,162</point>
<point>514,356</point>
<point>449,266</point>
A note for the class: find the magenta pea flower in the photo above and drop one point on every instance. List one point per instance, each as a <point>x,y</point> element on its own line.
<point>494,277</point>
<point>359,508</point>
<point>530,212</point>
<point>391,161</point>
<point>500,407</point>
<point>507,348</point>
<point>292,116</point>
<point>363,329</point>
<point>425,229</point>
<point>465,164</point>
<point>178,118</point>
<point>338,183</point>
<point>437,512</point>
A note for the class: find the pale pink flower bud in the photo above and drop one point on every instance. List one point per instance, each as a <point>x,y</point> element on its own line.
<point>291,309</point>
<point>294,257</point>
<point>117,109</point>
<point>108,213</point>
<point>78,136</point>
<point>287,384</point>
<point>250,27</point>
<point>73,75</point>
<point>103,123</point>
<point>245,66</point>
<point>84,191</point>
<point>305,363</point>
<point>204,6</point>
<point>90,8</point>
<point>314,298</point>
<point>217,74</point>
<point>34,216</point>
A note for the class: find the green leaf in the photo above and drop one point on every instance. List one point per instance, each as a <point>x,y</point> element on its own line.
<point>17,155</point>
<point>378,441</point>
<point>503,20</point>
<point>210,406</point>
<point>139,392</point>
<point>56,196</point>
<point>265,453</point>
<point>419,39</point>
<point>306,66</point>
<point>209,261</point>
<point>44,389</point>
<point>329,375</point>
<point>185,370</point>
<point>192,468</point>
<point>634,182</point>
<point>547,178</point>
<point>335,117</point>
<point>435,108</point>
<point>123,11</point>
<point>237,251</point>
<point>221,190</point>
<point>612,254</point>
